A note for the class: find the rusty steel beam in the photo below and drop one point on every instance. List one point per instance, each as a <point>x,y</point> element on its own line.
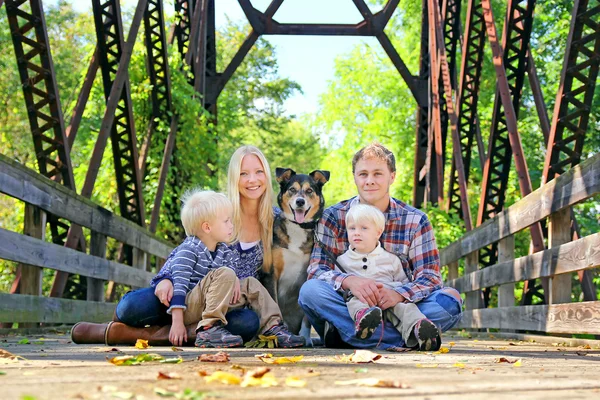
<point>436,122</point>
<point>436,20</point>
<point>82,99</point>
<point>183,24</point>
<point>504,137</point>
<point>576,91</point>
<point>468,97</point>
<point>164,170</point>
<point>538,97</point>
<point>420,188</point>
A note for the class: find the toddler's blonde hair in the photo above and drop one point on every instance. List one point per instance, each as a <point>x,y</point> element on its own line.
<point>201,206</point>
<point>364,212</point>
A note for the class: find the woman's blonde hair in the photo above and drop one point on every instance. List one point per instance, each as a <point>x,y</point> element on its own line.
<point>364,212</point>
<point>265,208</point>
<point>199,206</point>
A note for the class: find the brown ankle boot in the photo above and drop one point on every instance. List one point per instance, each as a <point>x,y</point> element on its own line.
<point>115,333</point>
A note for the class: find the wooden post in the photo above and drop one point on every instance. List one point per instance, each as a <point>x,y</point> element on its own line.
<point>139,259</point>
<point>559,232</point>
<point>506,252</point>
<point>95,287</point>
<point>452,270</point>
<point>473,299</point>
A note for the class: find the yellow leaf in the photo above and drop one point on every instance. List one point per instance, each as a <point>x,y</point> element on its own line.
<point>443,350</point>
<point>269,359</point>
<point>223,377</point>
<point>373,382</point>
<point>123,395</point>
<point>517,363</point>
<point>451,344</point>
<point>266,380</point>
<point>141,344</point>
<point>293,381</point>
<point>458,365</point>
<point>359,356</point>
<point>427,365</point>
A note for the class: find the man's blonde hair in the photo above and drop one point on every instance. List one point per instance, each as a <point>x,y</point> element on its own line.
<point>375,150</point>
<point>201,206</point>
<point>363,212</point>
<point>265,209</point>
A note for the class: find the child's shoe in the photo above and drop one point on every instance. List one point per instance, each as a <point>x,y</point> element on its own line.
<point>428,335</point>
<point>285,338</point>
<point>367,320</point>
<point>218,337</point>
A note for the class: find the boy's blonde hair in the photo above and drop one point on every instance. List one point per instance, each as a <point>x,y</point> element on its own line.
<point>364,212</point>
<point>375,150</point>
<point>201,206</point>
<point>265,209</point>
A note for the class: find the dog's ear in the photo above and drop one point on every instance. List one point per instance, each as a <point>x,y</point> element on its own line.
<point>284,174</point>
<point>320,176</point>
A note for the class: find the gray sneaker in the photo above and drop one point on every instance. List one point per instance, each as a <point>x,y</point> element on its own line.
<point>285,338</point>
<point>217,337</point>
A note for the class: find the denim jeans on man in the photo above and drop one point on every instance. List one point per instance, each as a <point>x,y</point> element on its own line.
<point>322,303</point>
<point>141,307</point>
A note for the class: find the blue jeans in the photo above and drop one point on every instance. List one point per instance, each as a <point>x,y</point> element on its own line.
<point>322,303</point>
<point>141,307</point>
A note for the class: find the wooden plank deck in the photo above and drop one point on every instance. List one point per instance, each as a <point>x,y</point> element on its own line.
<point>54,368</point>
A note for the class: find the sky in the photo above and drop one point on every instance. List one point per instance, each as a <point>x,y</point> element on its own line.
<point>308,60</point>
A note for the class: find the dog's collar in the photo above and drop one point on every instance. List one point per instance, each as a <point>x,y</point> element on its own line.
<point>304,225</point>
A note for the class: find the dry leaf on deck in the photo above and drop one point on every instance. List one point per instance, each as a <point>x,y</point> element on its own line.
<point>134,360</point>
<point>587,347</point>
<point>176,349</point>
<point>9,356</point>
<point>459,365</point>
<point>294,381</point>
<point>141,344</point>
<point>168,375</point>
<point>443,350</point>
<point>258,372</point>
<point>517,363</point>
<point>374,382</point>
<point>581,353</point>
<point>269,359</point>
<point>218,357</point>
<point>451,344</point>
<point>258,378</point>
<point>427,365</point>
<point>223,377</point>
<point>504,360</point>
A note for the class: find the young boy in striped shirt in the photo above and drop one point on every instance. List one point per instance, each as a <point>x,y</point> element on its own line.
<point>205,286</point>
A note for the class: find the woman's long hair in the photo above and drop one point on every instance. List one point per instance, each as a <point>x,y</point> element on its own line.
<point>265,208</point>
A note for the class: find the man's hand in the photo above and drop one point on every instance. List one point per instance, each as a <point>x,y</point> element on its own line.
<point>178,332</point>
<point>164,291</point>
<point>236,292</point>
<point>388,298</point>
<point>366,290</point>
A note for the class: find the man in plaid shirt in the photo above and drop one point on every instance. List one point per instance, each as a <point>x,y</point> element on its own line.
<point>408,234</point>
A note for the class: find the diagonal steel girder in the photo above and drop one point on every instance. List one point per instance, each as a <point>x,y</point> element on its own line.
<point>504,138</point>
<point>468,96</point>
<point>576,91</point>
<point>36,69</point>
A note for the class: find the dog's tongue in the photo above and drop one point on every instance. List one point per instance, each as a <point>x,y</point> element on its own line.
<point>299,216</point>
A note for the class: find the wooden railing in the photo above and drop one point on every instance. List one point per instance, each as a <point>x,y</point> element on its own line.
<point>552,201</point>
<point>42,196</point>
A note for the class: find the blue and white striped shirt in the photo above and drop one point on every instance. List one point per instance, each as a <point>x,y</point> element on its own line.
<point>189,263</point>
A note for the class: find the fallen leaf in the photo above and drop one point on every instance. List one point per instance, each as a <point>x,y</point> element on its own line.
<point>374,382</point>
<point>176,349</point>
<point>269,359</point>
<point>504,360</point>
<point>257,378</point>
<point>223,377</point>
<point>141,344</point>
<point>581,353</point>
<point>168,375</point>
<point>218,357</point>
<point>427,365</point>
<point>443,350</point>
<point>164,392</point>
<point>174,360</point>
<point>293,381</point>
<point>498,348</point>
<point>123,395</point>
<point>107,388</point>
<point>134,360</point>
<point>8,357</point>
<point>269,342</point>
<point>458,365</point>
<point>23,341</point>
<point>451,344</point>
<point>238,367</point>
<point>258,372</point>
<point>517,363</point>
<point>361,370</point>
<point>113,349</point>
<point>587,347</point>
<point>202,373</point>
<point>2,373</point>
<point>512,344</point>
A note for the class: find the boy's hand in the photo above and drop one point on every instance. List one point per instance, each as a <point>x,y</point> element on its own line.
<point>178,332</point>
<point>388,298</point>
<point>236,292</point>
<point>164,291</point>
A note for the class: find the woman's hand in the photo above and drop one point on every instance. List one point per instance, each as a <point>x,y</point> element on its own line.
<point>388,298</point>
<point>164,291</point>
<point>235,297</point>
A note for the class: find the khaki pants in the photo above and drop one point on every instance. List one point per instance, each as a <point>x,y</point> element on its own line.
<point>210,300</point>
<point>404,316</point>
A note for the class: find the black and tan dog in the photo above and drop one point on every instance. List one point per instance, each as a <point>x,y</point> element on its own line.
<point>301,202</point>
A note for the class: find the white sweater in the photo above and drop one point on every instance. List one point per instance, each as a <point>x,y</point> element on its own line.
<point>382,266</point>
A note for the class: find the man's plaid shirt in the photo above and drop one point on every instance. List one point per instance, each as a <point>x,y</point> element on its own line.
<point>408,234</point>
